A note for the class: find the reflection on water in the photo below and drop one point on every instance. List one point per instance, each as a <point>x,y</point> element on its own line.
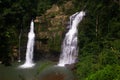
<point>49,73</point>
<point>14,73</point>
<point>56,73</point>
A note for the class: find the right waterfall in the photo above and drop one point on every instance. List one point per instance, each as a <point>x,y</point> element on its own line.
<point>70,43</point>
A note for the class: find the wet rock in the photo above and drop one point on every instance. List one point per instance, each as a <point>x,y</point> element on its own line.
<point>54,76</point>
<point>56,73</point>
<point>71,66</point>
<point>0,62</point>
<point>51,27</point>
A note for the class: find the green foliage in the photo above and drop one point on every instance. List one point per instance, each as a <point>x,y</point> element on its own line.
<point>98,40</point>
<point>13,16</point>
<point>43,5</point>
<point>108,57</point>
<point>86,66</point>
<point>116,45</point>
<point>107,73</point>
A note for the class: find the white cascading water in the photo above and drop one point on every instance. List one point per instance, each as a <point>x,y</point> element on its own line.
<point>30,47</point>
<point>69,46</point>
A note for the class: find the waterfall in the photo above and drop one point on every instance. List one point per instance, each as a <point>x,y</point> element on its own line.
<point>30,47</point>
<point>69,46</point>
<point>19,58</point>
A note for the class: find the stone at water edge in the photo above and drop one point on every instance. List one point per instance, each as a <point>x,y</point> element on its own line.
<point>0,62</point>
<point>71,66</point>
<point>19,60</point>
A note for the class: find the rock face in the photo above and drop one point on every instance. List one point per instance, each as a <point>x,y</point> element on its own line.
<point>49,31</point>
<point>50,28</point>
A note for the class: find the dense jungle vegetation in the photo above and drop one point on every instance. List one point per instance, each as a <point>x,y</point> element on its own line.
<point>99,33</point>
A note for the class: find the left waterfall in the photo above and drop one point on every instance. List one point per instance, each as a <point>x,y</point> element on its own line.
<point>30,48</point>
